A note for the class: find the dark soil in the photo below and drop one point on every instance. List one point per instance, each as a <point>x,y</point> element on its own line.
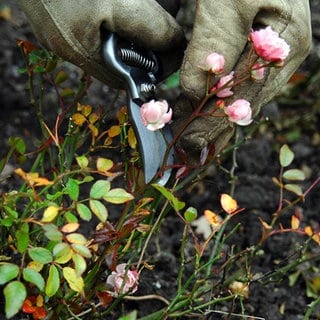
<point>294,119</point>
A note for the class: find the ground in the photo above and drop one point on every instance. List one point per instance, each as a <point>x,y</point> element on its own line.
<point>293,119</point>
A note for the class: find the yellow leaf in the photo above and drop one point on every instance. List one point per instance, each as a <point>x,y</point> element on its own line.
<point>33,178</point>
<point>84,109</point>
<point>308,231</point>
<point>104,164</point>
<point>75,282</point>
<point>295,222</point>
<point>50,214</point>
<point>94,130</point>
<point>132,140</point>
<point>212,217</point>
<point>228,204</point>
<point>79,119</point>
<point>76,238</point>
<point>114,131</point>
<point>93,118</point>
<point>70,227</point>
<point>122,115</point>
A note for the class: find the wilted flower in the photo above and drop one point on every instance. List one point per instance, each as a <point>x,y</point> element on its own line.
<point>215,62</point>
<point>122,280</point>
<point>225,92</point>
<point>239,112</point>
<point>257,71</point>
<point>155,114</point>
<point>269,46</point>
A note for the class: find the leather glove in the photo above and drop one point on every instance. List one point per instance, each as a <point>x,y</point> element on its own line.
<point>72,29</point>
<point>224,26</point>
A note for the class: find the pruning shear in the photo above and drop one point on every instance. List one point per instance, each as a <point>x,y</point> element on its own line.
<point>139,70</point>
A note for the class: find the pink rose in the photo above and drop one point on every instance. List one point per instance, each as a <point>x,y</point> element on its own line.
<point>257,71</point>
<point>239,112</point>
<point>269,46</point>
<point>215,62</point>
<point>155,114</point>
<point>225,92</point>
<point>123,281</point>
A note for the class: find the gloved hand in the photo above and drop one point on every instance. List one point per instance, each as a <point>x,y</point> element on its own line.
<point>72,29</point>
<point>223,27</point>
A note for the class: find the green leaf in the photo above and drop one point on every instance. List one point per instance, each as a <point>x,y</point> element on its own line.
<point>18,144</point>
<point>79,264</point>
<point>41,255</point>
<point>52,232</point>
<point>66,92</point>
<point>173,81</point>
<point>131,316</point>
<point>60,77</point>
<point>70,217</point>
<point>75,282</point>
<point>99,210</point>
<point>15,293</point>
<point>82,161</point>
<point>72,189</point>
<point>77,238</point>
<point>23,239</point>
<point>82,250</point>
<point>53,281</point>
<point>294,188</point>
<point>99,189</point>
<point>294,174</point>
<point>118,196</point>
<point>34,277</point>
<point>175,202</point>
<point>8,272</point>
<point>84,212</point>
<point>62,253</point>
<point>286,156</point>
<point>191,214</point>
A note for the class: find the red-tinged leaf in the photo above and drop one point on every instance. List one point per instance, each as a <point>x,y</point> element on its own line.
<point>105,298</point>
<point>26,46</point>
<point>53,281</point>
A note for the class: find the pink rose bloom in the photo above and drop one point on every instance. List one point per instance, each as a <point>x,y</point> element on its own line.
<point>269,46</point>
<point>155,114</point>
<point>123,281</point>
<point>215,62</point>
<point>239,112</point>
<point>225,92</point>
<point>257,72</point>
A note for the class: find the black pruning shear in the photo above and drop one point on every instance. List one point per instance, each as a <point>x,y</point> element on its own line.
<point>139,70</point>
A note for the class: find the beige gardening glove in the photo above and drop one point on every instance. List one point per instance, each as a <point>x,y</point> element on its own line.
<point>72,29</point>
<point>223,27</point>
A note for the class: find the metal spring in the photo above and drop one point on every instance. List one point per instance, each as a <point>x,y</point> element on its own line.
<point>134,58</point>
<point>148,88</point>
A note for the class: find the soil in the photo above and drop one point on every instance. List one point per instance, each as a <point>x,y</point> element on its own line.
<point>293,119</point>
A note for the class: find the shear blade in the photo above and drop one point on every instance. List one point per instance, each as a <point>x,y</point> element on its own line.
<point>153,147</point>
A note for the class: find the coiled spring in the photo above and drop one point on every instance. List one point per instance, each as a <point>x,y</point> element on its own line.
<point>134,58</point>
